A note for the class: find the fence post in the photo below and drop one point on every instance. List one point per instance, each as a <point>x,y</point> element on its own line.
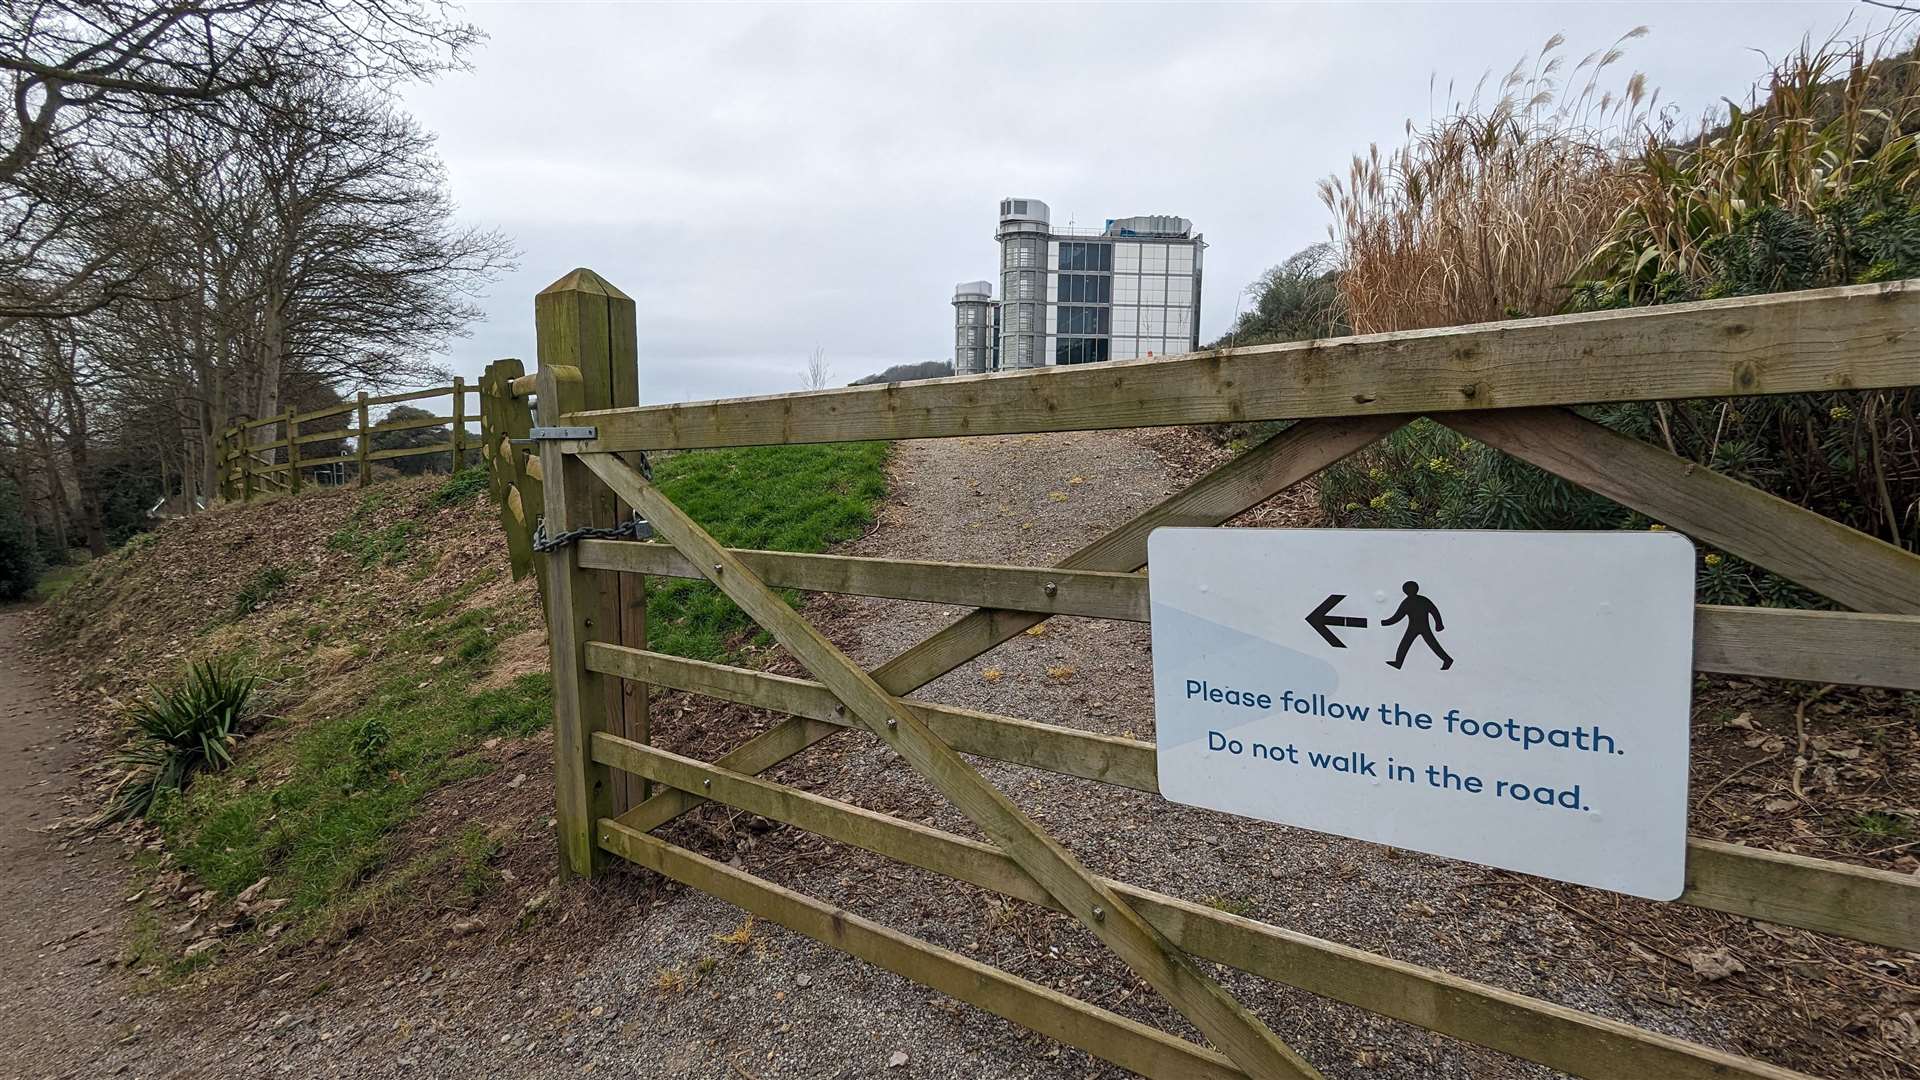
<point>293,454</point>
<point>360,445</point>
<point>586,323</point>
<point>459,422</point>
<point>245,439</point>
<point>229,486</point>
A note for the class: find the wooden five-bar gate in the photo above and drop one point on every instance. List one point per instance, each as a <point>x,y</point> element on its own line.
<point>1509,385</point>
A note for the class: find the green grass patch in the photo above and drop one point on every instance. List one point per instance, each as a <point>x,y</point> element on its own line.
<point>778,498</point>
<point>259,589</point>
<point>317,810</point>
<point>58,579</point>
<point>461,486</point>
<point>375,545</point>
<point>317,803</point>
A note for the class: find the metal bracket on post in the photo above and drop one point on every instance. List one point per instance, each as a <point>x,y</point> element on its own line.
<point>557,434</point>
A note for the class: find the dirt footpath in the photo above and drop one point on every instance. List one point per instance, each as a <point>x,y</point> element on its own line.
<point>63,1004</point>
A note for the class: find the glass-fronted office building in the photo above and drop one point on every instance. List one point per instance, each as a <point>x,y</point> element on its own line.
<point>1076,296</point>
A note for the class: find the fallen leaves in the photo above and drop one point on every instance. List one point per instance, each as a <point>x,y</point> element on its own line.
<point>1713,965</point>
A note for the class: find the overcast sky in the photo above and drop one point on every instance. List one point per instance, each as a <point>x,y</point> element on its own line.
<point>764,179</point>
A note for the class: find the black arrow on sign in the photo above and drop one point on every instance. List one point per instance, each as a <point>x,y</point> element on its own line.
<point>1321,618</point>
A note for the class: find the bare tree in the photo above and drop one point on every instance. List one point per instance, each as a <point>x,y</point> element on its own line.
<point>218,245</point>
<point>817,374</point>
<point>87,79</point>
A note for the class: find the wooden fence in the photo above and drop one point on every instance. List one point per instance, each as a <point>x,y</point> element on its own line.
<point>248,467</point>
<point>1509,385</point>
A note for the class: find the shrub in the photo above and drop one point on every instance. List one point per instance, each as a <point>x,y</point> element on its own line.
<point>20,560</point>
<point>1294,301</point>
<point>412,439</point>
<point>1814,186</point>
<point>180,731</point>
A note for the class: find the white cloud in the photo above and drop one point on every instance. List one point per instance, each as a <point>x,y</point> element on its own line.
<point>762,179</point>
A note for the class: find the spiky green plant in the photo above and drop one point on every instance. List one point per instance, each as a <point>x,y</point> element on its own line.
<point>179,731</point>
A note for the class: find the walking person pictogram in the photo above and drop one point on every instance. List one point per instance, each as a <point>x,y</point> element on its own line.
<point>1423,618</point>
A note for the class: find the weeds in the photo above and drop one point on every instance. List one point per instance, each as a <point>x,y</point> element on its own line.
<point>1231,905</point>
<point>461,486</point>
<point>258,589</point>
<point>389,544</point>
<point>319,809</point>
<point>1879,825</point>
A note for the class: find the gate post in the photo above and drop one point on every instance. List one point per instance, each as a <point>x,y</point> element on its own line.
<point>585,334</point>
<point>584,322</point>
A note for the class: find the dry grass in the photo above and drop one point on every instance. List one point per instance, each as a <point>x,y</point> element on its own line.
<point>1488,211</point>
<point>1827,120</point>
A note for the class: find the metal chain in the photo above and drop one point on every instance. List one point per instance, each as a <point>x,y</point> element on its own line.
<point>634,528</point>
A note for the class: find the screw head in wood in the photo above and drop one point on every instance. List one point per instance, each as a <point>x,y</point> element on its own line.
<point>718,569</point>
<point>707,782</point>
<point>1050,588</point>
<point>1099,913</point>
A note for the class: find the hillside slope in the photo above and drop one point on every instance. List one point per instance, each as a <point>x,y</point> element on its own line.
<point>399,769</point>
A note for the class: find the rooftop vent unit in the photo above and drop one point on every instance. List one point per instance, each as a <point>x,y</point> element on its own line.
<point>1162,225</point>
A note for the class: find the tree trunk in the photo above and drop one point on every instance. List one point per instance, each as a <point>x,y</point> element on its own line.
<point>93,516</point>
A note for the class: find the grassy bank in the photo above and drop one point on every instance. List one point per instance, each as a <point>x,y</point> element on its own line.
<point>379,636</point>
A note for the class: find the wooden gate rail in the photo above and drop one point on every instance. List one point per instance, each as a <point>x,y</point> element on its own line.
<point>1860,337</point>
<point>1506,384</point>
<point>1228,490</point>
<point>1782,643</point>
<point>1845,565</point>
<point>1553,1035</point>
<point>1127,1043</point>
<point>1857,902</point>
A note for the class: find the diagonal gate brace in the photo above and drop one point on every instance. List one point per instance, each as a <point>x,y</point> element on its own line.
<point>1230,489</point>
<point>1227,1023</point>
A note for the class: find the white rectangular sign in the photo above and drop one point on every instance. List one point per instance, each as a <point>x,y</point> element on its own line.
<point>1518,699</point>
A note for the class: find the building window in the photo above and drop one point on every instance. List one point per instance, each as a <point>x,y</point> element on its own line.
<point>1082,320</point>
<point>1086,289</point>
<point>1095,257</point>
<point>1080,350</point>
